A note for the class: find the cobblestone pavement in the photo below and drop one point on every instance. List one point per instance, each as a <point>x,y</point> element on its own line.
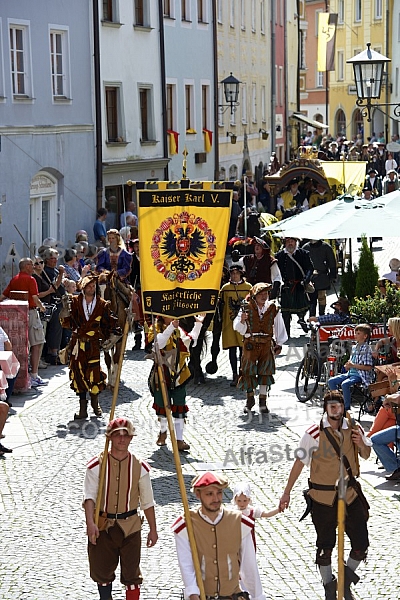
<point>43,549</point>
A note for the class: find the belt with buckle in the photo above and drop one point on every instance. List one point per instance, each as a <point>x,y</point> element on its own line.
<point>117,516</point>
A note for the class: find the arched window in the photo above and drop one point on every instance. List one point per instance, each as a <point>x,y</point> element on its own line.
<point>340,122</point>
<point>222,174</point>
<point>358,123</point>
<point>43,209</point>
<point>233,173</point>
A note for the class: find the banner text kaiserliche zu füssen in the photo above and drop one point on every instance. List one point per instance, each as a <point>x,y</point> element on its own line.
<point>183,236</point>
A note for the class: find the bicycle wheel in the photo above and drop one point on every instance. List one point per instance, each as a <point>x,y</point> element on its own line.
<point>307,377</point>
<point>323,380</point>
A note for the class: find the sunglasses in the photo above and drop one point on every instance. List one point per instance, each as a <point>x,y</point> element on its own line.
<point>39,262</point>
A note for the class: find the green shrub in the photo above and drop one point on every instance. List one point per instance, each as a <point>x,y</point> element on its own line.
<point>348,282</point>
<point>374,308</point>
<point>367,275</point>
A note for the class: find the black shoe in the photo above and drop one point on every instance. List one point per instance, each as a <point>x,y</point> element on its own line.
<point>303,325</point>
<point>395,476</point>
<point>4,450</point>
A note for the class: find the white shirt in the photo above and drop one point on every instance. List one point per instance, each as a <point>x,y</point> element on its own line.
<point>163,337</point>
<point>3,338</point>
<point>280,333</point>
<point>249,575</point>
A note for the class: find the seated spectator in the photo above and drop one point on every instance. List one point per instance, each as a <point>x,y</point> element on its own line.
<point>394,265</point>
<point>389,346</point>
<point>3,418</point>
<point>341,315</point>
<point>5,344</point>
<point>382,440</point>
<point>358,369</point>
<point>384,419</point>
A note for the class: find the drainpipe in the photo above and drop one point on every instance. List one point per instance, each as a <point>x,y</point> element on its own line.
<point>288,130</point>
<point>387,77</point>
<point>215,65</point>
<point>97,95</point>
<point>163,86</point>
<point>273,76</point>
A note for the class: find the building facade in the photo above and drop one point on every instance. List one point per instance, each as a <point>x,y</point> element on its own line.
<point>47,184</point>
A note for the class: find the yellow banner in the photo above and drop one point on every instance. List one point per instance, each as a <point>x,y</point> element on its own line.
<point>345,175</point>
<point>183,235</point>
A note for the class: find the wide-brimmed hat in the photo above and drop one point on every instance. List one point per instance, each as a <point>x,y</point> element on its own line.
<point>209,478</point>
<point>260,287</point>
<point>261,242</point>
<point>120,424</point>
<point>86,280</point>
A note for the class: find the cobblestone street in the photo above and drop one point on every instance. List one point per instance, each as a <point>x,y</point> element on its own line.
<point>43,549</point>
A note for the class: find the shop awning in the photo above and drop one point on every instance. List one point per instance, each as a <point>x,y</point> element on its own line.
<point>311,122</point>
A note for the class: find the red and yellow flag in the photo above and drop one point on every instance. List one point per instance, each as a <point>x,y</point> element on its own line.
<point>173,141</point>
<point>183,235</point>
<point>326,41</point>
<point>207,140</point>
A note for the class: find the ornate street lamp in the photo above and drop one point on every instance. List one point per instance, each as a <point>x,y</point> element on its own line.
<point>231,93</point>
<point>369,74</point>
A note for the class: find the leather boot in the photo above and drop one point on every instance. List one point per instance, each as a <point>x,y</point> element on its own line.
<point>262,403</point>
<point>321,309</point>
<point>349,578</point>
<point>133,593</point>
<point>94,401</point>
<point>82,414</point>
<point>330,589</point>
<point>182,446</point>
<point>138,342</point>
<point>250,402</point>
<point>105,591</point>
<point>162,439</point>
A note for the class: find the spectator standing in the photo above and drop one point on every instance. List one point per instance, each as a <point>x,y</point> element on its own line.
<point>99,228</point>
<point>25,282</point>
<point>54,276</point>
<point>324,273</point>
<point>126,217</point>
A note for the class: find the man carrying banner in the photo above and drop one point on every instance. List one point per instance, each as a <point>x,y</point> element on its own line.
<point>320,448</point>
<point>224,541</point>
<point>174,345</point>
<point>261,324</point>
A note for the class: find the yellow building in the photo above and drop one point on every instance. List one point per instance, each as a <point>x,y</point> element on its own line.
<point>359,22</point>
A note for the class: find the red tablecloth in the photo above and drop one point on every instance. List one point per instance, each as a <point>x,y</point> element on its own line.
<point>14,319</point>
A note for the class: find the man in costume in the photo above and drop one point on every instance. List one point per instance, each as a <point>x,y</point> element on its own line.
<point>261,267</point>
<point>320,449</point>
<point>291,202</point>
<point>264,333</point>
<point>231,296</point>
<point>115,257</point>
<point>224,544</point>
<point>296,269</point>
<point>174,345</point>
<point>320,196</point>
<point>117,538</point>
<point>91,321</point>
<point>325,272</point>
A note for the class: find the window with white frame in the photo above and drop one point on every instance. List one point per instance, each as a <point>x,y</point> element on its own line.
<point>276,85</point>
<point>171,107</point>
<point>113,115</point>
<point>254,102</point>
<point>319,76</point>
<point>232,13</point>
<point>220,103</point>
<point>280,85</point>
<point>146,112</point>
<point>317,13</point>
<point>59,62</point>
<point>341,11</point>
<point>253,15</point>
<point>357,11</point>
<point>233,173</point>
<point>262,16</point>
<point>110,11</point>
<point>340,65</point>
<point>20,60</point>
<point>243,14</point>
<point>244,104</point>
<point>378,9</point>
<point>263,96</point>
<point>185,10</point>
<point>219,11</point>
<point>42,208</point>
<point>202,11</point>
<point>142,16</point>
<point>189,108</point>
<point>168,8</point>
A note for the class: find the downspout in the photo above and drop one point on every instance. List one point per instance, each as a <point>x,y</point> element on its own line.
<point>299,63</point>
<point>163,86</point>
<point>215,66</point>
<point>97,95</point>
<point>273,76</point>
<point>285,50</point>
<point>387,74</point>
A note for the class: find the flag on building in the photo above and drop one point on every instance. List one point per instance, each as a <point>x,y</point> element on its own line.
<point>173,141</point>
<point>207,140</point>
<point>326,41</point>
<point>183,235</point>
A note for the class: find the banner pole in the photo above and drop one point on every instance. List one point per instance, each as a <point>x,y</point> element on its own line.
<point>178,466</point>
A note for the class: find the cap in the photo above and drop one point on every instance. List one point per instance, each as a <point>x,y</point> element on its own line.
<point>120,424</point>
<point>242,488</point>
<point>236,267</point>
<point>209,478</point>
<point>261,242</point>
<point>260,287</point>
<point>372,171</point>
<point>86,280</point>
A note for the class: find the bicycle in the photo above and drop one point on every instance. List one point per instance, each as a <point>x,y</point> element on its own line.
<point>309,371</point>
